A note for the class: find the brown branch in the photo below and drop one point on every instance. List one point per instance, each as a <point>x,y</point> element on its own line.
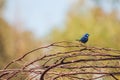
<point>114,76</point>
<point>69,62</point>
<point>49,68</point>
<point>52,55</point>
<point>75,53</point>
<point>19,59</point>
<point>79,67</point>
<point>3,74</point>
<point>88,60</point>
<point>14,74</point>
<point>75,73</point>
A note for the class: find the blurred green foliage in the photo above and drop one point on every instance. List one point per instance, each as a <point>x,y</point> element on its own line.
<point>104,28</point>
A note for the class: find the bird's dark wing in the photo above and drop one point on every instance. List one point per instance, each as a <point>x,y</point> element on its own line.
<point>84,39</point>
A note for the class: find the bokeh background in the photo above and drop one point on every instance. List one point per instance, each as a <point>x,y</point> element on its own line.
<point>28,24</point>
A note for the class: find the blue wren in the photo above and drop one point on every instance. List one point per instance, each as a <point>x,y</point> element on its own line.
<point>84,39</point>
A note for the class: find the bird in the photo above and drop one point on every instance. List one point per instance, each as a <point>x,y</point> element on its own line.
<point>84,39</point>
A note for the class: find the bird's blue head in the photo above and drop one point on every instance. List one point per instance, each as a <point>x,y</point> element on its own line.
<point>86,35</point>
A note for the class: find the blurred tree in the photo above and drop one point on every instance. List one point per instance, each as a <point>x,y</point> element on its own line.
<point>5,32</point>
<point>103,27</point>
<point>13,42</point>
<point>2,2</point>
